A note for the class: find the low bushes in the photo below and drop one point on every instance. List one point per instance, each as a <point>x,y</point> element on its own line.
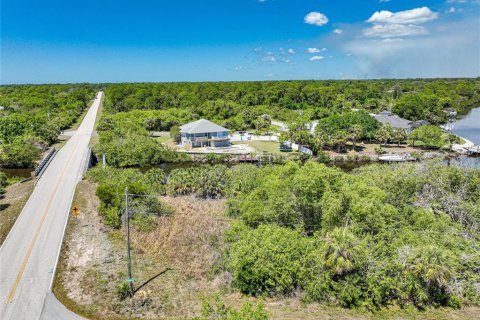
<point>18,155</point>
<point>204,181</point>
<point>405,235</point>
<point>219,311</point>
<point>135,150</point>
<point>267,260</point>
<point>111,192</point>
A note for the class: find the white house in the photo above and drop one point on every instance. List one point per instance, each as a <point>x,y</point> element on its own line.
<point>204,133</point>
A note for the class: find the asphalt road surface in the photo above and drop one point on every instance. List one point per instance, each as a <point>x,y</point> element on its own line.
<point>30,253</point>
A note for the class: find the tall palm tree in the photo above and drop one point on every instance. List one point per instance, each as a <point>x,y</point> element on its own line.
<point>340,139</point>
<point>384,133</point>
<point>356,133</point>
<point>399,135</point>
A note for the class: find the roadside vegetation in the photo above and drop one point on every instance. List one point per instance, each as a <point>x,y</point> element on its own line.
<point>400,237</point>
<point>12,199</point>
<point>32,117</point>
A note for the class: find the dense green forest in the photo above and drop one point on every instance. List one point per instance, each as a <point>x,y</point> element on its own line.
<point>32,117</point>
<point>237,105</point>
<point>341,107</point>
<point>384,235</point>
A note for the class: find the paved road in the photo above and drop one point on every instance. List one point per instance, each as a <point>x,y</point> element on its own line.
<point>29,255</point>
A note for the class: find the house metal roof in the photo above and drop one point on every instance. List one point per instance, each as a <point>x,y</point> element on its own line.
<point>201,126</point>
<point>395,121</point>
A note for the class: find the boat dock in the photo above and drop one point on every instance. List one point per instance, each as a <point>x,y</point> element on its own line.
<point>475,151</point>
<point>468,148</point>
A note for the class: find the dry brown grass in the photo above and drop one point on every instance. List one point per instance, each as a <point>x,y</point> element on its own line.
<point>11,205</point>
<point>190,239</point>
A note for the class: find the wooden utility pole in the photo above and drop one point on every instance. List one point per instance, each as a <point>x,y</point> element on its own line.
<point>127,229</point>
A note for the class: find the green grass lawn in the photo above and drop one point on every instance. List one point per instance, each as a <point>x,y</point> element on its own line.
<point>166,140</point>
<point>263,146</point>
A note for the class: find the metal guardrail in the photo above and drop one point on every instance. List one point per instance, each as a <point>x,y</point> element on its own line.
<point>44,163</point>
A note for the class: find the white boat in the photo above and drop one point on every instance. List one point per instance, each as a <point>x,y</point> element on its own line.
<point>446,127</point>
<point>393,157</point>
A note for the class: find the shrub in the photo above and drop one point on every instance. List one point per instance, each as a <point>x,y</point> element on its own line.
<point>3,183</point>
<point>323,157</point>
<point>123,290</point>
<point>379,150</point>
<point>111,192</point>
<point>204,181</point>
<point>267,260</point>
<point>218,311</point>
<point>365,158</point>
<point>135,150</point>
<point>175,134</point>
<point>18,155</point>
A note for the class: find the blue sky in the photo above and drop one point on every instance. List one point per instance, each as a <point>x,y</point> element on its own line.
<point>211,40</point>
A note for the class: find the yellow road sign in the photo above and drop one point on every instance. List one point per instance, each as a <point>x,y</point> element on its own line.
<point>75,211</point>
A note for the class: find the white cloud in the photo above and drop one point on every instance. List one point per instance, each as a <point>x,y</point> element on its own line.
<point>388,24</point>
<point>413,16</point>
<point>316,18</point>
<point>316,58</point>
<point>284,51</point>
<point>451,10</point>
<point>257,49</point>
<point>338,31</point>
<point>449,53</point>
<point>316,50</point>
<point>394,30</point>
<point>269,57</point>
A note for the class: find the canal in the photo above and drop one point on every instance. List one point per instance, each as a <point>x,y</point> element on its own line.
<point>469,126</point>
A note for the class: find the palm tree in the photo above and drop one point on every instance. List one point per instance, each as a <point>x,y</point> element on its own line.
<point>319,140</point>
<point>342,251</point>
<point>384,133</point>
<point>399,135</point>
<point>356,133</point>
<point>340,139</point>
<point>433,265</point>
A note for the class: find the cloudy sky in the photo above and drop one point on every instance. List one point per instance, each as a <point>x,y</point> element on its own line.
<point>210,40</point>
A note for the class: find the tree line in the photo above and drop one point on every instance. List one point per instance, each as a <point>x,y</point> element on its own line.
<point>32,117</point>
<point>236,105</point>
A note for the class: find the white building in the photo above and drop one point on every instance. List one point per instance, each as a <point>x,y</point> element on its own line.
<point>204,133</point>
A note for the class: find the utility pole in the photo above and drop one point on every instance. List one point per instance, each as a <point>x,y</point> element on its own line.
<point>127,227</point>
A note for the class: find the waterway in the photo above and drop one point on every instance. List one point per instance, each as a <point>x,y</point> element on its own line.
<point>469,126</point>
<point>23,173</point>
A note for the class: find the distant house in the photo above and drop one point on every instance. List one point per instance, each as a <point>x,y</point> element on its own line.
<point>420,123</point>
<point>396,122</point>
<point>204,133</point>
